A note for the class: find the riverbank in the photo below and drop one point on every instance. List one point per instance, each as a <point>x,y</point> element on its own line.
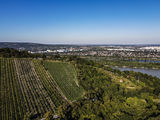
<point>131,64</point>
<point>135,67</point>
<point>153,72</point>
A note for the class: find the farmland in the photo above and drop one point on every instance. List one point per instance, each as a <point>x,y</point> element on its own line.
<point>65,77</point>
<point>27,89</point>
<point>72,88</point>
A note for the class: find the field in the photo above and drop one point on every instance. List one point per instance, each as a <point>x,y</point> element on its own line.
<point>65,77</point>
<point>27,89</point>
<point>33,88</point>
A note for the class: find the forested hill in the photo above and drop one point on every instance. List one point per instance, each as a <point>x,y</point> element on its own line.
<point>16,45</point>
<point>10,52</point>
<point>114,95</point>
<point>31,46</point>
<point>72,88</point>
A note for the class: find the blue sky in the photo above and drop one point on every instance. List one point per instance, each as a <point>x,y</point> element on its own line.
<point>80,21</point>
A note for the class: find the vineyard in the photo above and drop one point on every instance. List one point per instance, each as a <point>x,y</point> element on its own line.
<point>65,77</point>
<point>26,88</point>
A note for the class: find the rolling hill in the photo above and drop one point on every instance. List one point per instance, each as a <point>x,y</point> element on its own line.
<point>74,89</point>
<point>28,88</point>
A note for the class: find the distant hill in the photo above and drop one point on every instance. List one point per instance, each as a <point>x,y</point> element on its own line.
<point>10,52</point>
<point>31,46</point>
<point>41,47</point>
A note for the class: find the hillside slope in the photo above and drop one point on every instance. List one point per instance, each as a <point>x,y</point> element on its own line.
<point>26,89</point>
<point>65,77</point>
<point>78,89</point>
<point>113,95</point>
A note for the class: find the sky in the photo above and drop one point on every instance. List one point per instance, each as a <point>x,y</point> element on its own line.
<point>80,21</point>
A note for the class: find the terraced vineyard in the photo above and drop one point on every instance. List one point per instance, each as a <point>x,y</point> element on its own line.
<point>65,77</point>
<point>26,88</point>
<point>30,88</point>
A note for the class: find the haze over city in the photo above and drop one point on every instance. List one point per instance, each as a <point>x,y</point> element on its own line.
<point>80,21</point>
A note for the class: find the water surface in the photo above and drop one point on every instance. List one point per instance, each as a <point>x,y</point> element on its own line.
<point>152,72</point>
<point>148,61</point>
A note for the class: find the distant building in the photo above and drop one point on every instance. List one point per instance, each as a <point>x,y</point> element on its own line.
<point>121,81</point>
<point>61,50</point>
<point>151,48</point>
<point>49,51</point>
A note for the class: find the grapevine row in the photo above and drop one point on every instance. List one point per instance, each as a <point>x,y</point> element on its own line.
<point>26,88</point>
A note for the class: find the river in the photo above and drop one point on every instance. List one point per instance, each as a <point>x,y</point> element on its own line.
<point>148,61</point>
<point>152,72</point>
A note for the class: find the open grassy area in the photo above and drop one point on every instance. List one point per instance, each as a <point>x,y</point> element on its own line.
<point>66,78</point>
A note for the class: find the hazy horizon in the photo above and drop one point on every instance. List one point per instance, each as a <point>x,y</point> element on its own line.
<point>80,21</point>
